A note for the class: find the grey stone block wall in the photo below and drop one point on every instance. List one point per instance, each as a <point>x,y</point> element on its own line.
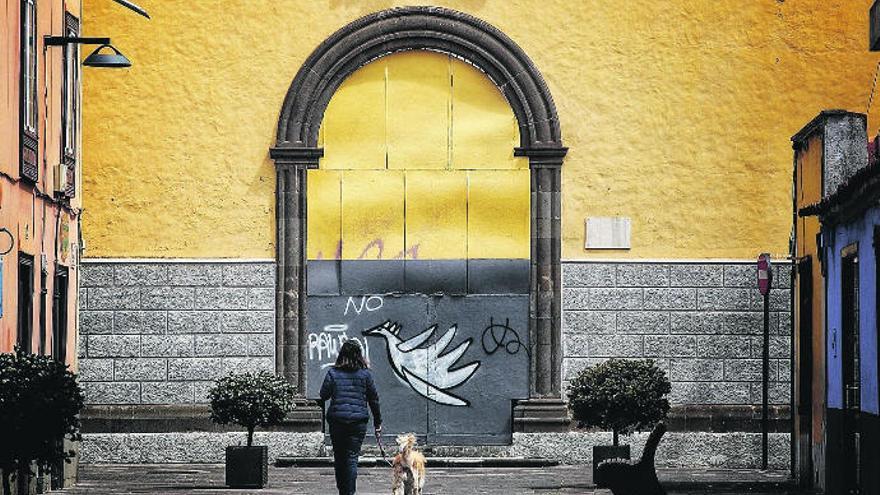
<point>690,450</point>
<point>701,322</point>
<point>160,332</point>
<point>191,447</point>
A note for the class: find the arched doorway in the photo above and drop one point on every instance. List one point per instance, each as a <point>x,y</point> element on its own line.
<point>298,150</point>
<point>418,245</point>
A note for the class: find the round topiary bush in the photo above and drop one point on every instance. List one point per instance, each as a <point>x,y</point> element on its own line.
<point>40,401</point>
<point>251,400</point>
<point>620,395</point>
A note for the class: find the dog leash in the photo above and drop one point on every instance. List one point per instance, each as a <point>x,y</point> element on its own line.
<point>382,449</point>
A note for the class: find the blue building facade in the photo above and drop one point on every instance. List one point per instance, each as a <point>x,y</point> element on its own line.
<point>849,239</point>
<point>850,247</point>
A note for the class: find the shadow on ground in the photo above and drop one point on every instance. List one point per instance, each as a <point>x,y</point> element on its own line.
<point>208,480</point>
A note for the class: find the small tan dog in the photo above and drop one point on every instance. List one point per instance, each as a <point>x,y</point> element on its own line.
<point>408,468</point>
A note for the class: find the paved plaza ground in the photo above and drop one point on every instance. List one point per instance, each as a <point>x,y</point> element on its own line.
<point>208,479</point>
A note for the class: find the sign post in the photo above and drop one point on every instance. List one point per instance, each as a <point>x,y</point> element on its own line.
<point>765,281</point>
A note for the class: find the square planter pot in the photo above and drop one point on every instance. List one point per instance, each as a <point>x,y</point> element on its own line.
<point>603,453</point>
<point>247,467</point>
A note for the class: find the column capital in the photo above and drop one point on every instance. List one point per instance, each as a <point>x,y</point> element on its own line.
<point>543,157</point>
<point>287,156</point>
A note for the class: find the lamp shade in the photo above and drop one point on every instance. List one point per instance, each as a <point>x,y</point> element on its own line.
<point>110,60</point>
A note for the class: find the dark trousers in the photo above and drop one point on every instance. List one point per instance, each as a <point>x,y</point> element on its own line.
<point>347,439</point>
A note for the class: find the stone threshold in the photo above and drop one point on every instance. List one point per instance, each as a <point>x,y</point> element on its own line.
<point>445,462</point>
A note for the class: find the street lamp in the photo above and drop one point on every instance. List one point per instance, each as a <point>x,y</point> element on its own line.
<point>115,60</point>
<point>111,60</point>
<point>95,59</point>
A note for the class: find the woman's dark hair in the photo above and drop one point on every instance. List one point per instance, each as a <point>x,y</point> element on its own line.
<point>350,358</point>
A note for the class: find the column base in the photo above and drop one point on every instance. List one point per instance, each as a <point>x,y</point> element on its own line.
<point>540,416</point>
<point>306,416</point>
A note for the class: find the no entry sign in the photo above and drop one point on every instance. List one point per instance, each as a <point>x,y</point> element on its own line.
<point>765,274</point>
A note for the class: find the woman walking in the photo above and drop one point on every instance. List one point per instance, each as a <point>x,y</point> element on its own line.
<point>349,387</point>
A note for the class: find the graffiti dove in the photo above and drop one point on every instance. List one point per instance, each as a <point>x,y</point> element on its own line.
<point>425,370</point>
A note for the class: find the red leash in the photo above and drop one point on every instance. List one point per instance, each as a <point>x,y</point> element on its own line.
<point>382,449</point>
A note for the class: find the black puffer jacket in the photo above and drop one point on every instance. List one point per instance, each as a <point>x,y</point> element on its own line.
<point>349,393</point>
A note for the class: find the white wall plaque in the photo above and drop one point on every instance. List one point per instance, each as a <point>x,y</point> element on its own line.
<point>607,233</point>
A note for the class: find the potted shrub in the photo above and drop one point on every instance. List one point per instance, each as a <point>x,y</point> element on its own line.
<point>40,401</point>
<point>618,395</point>
<point>249,400</point>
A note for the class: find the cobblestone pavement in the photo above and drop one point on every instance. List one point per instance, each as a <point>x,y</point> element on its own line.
<point>208,479</point>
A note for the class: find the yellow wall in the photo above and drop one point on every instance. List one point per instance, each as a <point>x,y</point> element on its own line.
<point>677,114</point>
<point>809,192</point>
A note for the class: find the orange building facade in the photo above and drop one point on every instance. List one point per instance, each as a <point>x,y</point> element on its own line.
<point>39,177</point>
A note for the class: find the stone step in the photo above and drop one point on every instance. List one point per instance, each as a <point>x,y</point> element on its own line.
<point>447,462</point>
<point>370,449</point>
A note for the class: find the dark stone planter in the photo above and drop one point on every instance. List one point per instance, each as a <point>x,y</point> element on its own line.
<point>247,467</point>
<point>603,453</point>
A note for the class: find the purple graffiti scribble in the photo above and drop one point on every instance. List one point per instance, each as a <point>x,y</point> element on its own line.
<point>378,243</point>
<point>413,253</point>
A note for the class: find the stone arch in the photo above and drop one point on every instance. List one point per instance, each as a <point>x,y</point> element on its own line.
<point>419,28</point>
<point>507,65</point>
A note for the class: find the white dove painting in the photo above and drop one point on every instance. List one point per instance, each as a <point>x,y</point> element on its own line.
<point>424,368</point>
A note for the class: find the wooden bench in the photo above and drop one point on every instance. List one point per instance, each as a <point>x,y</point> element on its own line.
<point>625,477</point>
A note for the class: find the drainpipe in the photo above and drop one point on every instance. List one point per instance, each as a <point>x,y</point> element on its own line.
<point>77,265</point>
<point>793,278</point>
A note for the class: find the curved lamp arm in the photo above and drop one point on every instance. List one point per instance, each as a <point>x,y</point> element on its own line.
<point>7,233</point>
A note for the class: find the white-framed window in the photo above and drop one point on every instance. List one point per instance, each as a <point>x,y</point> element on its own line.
<point>70,91</point>
<point>28,88</point>
<point>70,109</point>
<point>29,65</point>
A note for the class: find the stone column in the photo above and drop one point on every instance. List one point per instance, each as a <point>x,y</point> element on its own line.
<point>291,165</point>
<point>544,410</point>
